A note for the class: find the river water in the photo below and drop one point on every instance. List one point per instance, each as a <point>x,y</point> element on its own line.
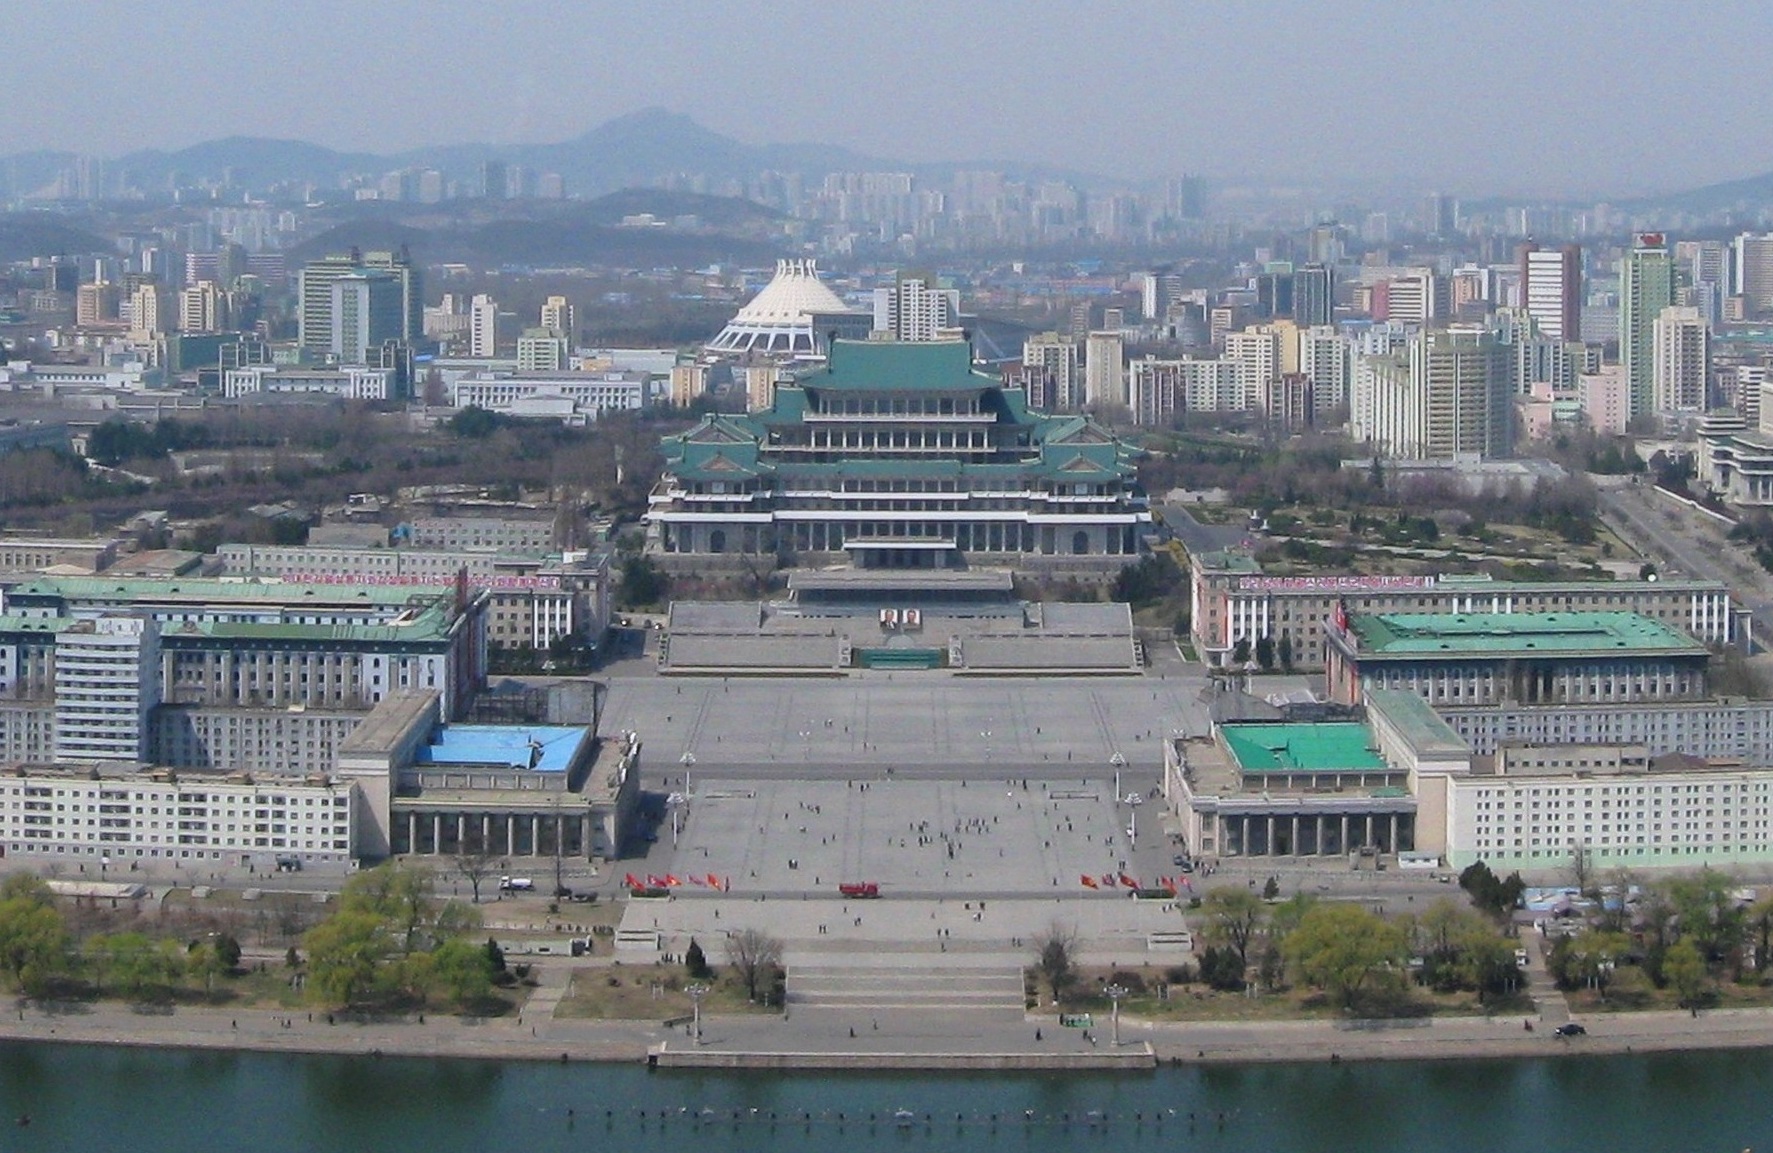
<point>177,1101</point>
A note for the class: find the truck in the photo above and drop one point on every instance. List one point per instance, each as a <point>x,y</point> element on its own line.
<point>516,884</point>
<point>859,889</point>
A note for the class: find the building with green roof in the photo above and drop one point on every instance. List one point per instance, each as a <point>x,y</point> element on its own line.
<point>898,454</point>
<point>1529,658</point>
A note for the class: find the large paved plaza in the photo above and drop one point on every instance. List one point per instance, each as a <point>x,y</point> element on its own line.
<point>994,725</point>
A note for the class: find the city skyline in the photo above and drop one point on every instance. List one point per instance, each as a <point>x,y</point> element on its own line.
<point>1566,107</point>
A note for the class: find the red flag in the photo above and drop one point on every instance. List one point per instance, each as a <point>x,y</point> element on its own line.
<point>1170,884</point>
<point>1128,881</point>
<point>713,881</point>
<point>633,882</point>
<point>672,880</point>
<point>654,882</point>
<point>1089,882</point>
<point>1108,880</point>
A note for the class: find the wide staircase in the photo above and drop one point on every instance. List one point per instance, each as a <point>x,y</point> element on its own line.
<point>860,985</point>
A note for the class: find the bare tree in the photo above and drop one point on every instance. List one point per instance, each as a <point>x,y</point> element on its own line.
<point>755,954</point>
<point>1056,957</point>
<point>475,867</point>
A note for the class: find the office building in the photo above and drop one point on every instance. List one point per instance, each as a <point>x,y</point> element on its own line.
<point>367,312</point>
<point>1232,600</point>
<point>1646,287</point>
<point>1314,295</point>
<point>576,398</point>
<point>1532,658</point>
<point>543,350</point>
<point>202,308</point>
<point>316,299</point>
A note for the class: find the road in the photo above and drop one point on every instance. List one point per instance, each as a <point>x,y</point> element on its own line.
<point>1684,543</point>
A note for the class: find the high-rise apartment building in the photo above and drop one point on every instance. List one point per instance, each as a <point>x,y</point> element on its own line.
<point>542,350</point>
<point>149,309</point>
<point>202,308</point>
<point>1105,380</point>
<point>1448,397</point>
<point>96,303</point>
<point>914,308</point>
<point>1646,287</point>
<point>483,326</point>
<point>1551,288</point>
<point>558,314</point>
<point>1681,349</point>
<point>1751,273</point>
<point>1326,357</point>
<point>1049,364</point>
<point>107,681</point>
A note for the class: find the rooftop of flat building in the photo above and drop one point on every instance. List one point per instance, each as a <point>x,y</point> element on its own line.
<point>388,724</point>
<point>540,748</point>
<point>1291,748</point>
<point>1405,635</point>
<point>212,590</point>
<point>1417,722</point>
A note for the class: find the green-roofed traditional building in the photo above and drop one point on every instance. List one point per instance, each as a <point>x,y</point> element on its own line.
<point>899,454</point>
<point>1452,659</point>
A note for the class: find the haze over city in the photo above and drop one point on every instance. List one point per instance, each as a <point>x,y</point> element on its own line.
<point>1575,99</point>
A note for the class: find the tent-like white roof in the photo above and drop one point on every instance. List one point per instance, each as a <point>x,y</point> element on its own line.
<point>779,319</point>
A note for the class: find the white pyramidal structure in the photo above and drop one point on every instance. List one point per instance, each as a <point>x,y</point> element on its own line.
<point>779,320</point>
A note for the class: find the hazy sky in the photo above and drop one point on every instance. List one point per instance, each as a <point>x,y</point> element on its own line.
<point>1589,96</point>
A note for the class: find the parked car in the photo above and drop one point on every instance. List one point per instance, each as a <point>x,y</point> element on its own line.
<point>1571,1029</point>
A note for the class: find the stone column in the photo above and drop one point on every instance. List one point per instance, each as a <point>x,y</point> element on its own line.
<point>1268,849</point>
<point>412,832</point>
<point>535,835</point>
<point>510,834</point>
<point>437,833</point>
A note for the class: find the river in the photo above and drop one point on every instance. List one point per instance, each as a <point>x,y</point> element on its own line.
<point>178,1101</point>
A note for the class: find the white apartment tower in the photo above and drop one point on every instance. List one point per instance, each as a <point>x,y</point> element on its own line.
<point>483,326</point>
<point>1055,382</point>
<point>557,313</point>
<point>913,308</point>
<point>1105,379</point>
<point>200,307</point>
<point>1681,360</point>
<point>107,681</point>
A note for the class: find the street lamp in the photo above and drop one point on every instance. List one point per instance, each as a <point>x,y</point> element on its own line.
<point>1114,993</point>
<point>1119,762</point>
<point>696,993</point>
<point>688,761</point>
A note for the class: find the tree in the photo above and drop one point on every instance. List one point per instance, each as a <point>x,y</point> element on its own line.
<point>462,970</point>
<point>755,955</point>
<point>1582,867</point>
<point>33,937</point>
<point>1265,652</point>
<point>1490,893</point>
<point>695,962</point>
<point>1233,918</point>
<point>1286,652</point>
<point>495,956</point>
<point>473,423</point>
<point>1706,913</point>
<point>1341,948</point>
<point>227,951</point>
<point>1683,967</point>
<point>1240,651</point>
<point>643,583</point>
<point>1271,889</point>
<point>1221,968</point>
<point>345,951</point>
<point>1590,958</point>
<point>1055,957</point>
<point>475,868</point>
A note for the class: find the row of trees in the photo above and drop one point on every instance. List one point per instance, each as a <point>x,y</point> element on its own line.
<point>1686,933</point>
<point>1346,950</point>
<point>38,953</point>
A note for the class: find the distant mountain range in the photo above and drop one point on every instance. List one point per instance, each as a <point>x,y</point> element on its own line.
<point>640,148</point>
